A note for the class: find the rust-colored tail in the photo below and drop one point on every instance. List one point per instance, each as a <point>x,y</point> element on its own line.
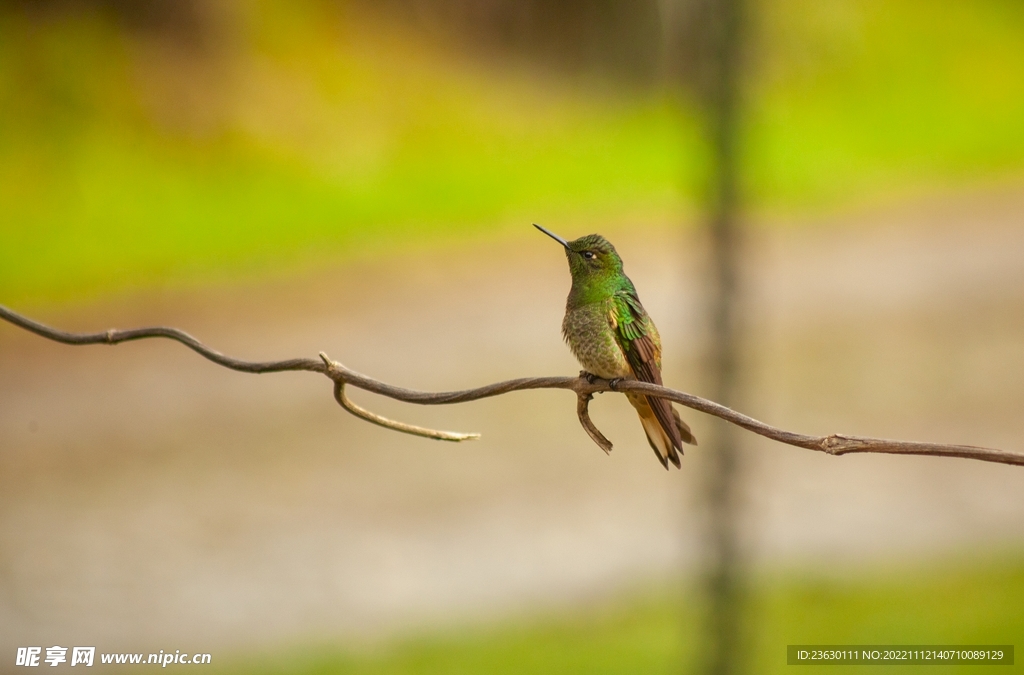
<point>660,439</point>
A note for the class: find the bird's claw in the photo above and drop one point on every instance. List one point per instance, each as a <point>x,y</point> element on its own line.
<point>613,383</point>
<point>589,377</point>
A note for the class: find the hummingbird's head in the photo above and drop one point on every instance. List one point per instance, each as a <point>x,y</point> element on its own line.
<point>590,257</point>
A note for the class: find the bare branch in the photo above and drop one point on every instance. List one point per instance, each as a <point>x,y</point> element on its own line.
<point>834,444</point>
<point>114,336</point>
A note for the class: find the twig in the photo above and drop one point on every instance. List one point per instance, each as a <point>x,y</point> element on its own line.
<point>583,411</point>
<point>344,402</point>
<point>584,388</point>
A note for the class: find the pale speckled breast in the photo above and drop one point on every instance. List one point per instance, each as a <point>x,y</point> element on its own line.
<point>588,331</point>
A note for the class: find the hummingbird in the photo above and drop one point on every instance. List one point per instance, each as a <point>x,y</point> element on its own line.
<point>613,337</point>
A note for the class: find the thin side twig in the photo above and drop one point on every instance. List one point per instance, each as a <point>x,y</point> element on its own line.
<point>583,412</point>
<point>584,388</point>
<point>380,420</point>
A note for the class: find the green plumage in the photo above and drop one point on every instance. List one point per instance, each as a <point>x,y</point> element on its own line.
<point>613,337</point>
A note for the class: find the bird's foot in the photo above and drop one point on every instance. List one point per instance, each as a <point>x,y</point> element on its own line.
<point>613,383</point>
<point>589,377</point>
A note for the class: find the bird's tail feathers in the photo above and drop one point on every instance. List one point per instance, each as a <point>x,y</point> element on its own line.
<point>684,429</point>
<point>659,440</point>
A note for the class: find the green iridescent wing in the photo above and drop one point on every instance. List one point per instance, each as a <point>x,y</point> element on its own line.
<point>634,332</point>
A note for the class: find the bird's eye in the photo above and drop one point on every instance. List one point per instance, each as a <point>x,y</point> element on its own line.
<point>589,255</point>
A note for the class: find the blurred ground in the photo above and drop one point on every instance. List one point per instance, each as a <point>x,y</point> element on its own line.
<point>149,499</point>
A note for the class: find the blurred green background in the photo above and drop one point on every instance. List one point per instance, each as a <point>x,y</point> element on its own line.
<point>145,144</point>
<point>152,153</point>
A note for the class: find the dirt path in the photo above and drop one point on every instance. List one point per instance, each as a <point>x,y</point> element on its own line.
<point>149,499</point>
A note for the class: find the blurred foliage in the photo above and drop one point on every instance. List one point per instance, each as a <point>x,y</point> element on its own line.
<point>621,39</point>
<point>874,97</point>
<point>980,602</point>
<point>140,148</point>
<point>131,159</point>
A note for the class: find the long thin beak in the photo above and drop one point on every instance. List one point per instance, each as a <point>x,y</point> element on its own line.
<point>551,234</point>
